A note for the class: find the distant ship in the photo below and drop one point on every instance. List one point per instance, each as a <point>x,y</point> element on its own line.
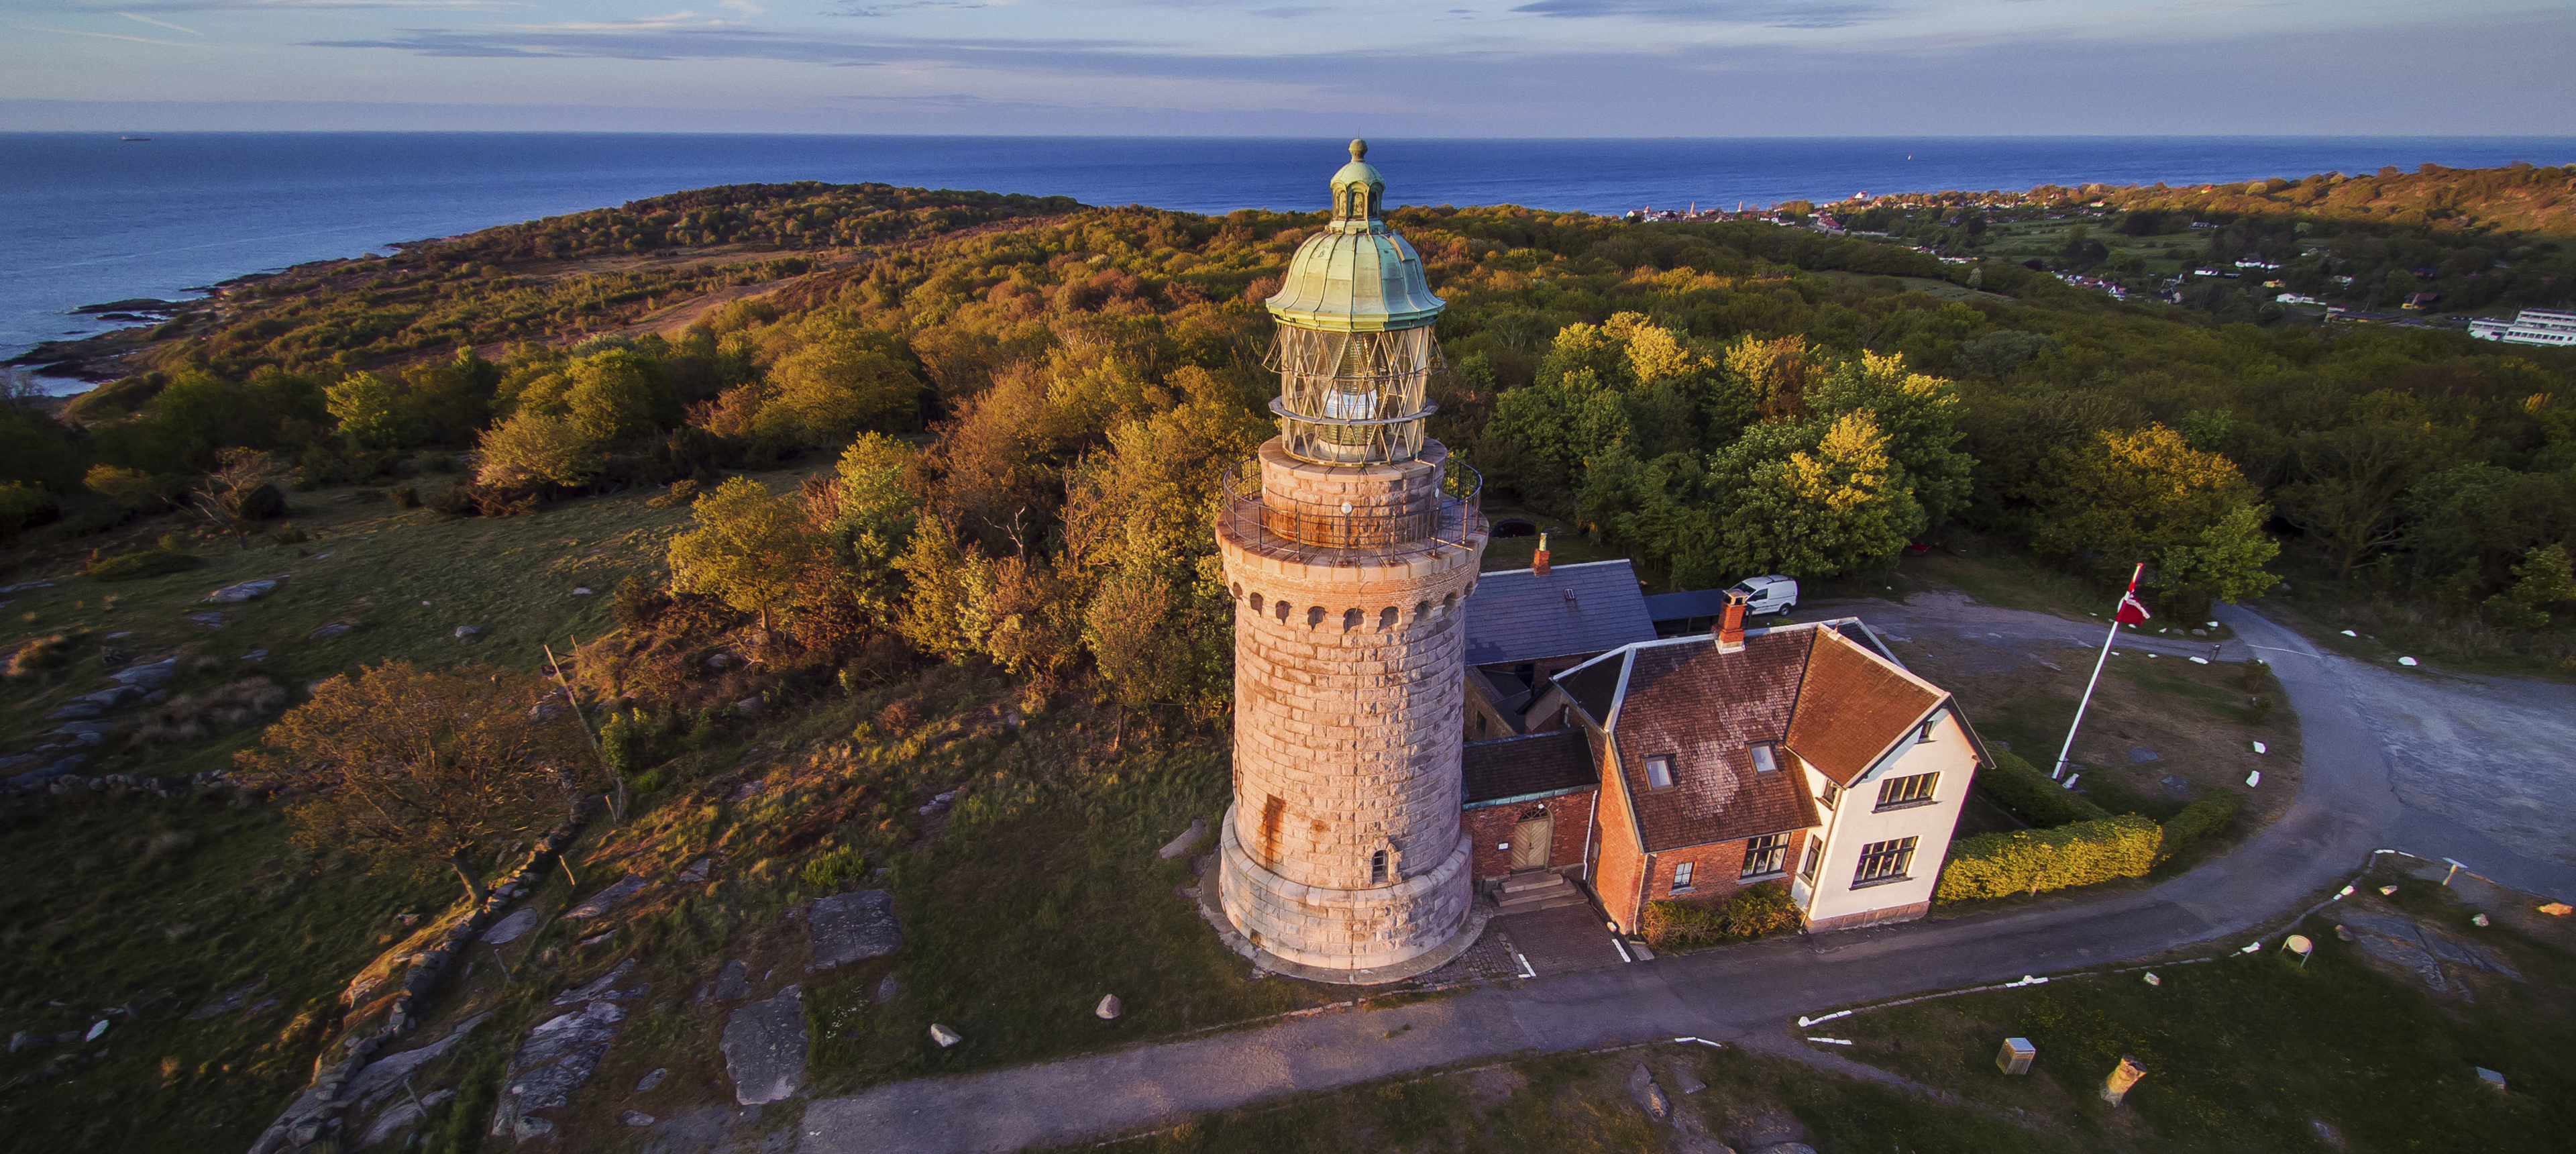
<point>134,138</point>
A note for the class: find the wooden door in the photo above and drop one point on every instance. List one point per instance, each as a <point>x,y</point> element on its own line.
<point>1530,842</point>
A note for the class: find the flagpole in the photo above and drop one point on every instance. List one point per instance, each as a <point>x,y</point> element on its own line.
<point>2059,770</point>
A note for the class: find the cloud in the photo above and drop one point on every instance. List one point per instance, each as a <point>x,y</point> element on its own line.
<point>111,36</point>
<point>161,23</point>
<point>876,10</point>
<point>128,8</point>
<point>1765,12</point>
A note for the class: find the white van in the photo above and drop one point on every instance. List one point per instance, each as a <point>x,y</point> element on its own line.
<point>1773,594</point>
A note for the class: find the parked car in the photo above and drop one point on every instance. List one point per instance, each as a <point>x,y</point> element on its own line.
<point>1773,594</point>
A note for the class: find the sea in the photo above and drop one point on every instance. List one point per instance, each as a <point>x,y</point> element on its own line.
<point>89,218</point>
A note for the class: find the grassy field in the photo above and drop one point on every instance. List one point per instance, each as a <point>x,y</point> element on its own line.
<point>2245,1053</point>
<point>1580,1104</point>
<point>2254,1052</point>
<point>1036,893</point>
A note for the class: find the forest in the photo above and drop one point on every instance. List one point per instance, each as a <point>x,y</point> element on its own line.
<point>1014,413</point>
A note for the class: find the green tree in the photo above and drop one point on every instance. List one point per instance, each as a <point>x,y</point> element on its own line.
<point>836,385</point>
<point>2130,497</point>
<point>2226,563</point>
<point>618,395</point>
<point>1920,417</point>
<point>2352,476</point>
<point>534,448</point>
<point>2544,579</point>
<point>434,769</point>
<point>1811,499</point>
<point>749,548</point>
<point>866,516</point>
<point>369,409</point>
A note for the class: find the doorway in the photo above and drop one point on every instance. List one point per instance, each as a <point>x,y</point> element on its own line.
<point>1531,839</point>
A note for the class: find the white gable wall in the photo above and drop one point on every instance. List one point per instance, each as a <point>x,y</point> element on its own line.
<point>1855,821</point>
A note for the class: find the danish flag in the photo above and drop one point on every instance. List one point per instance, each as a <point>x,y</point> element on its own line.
<point>2132,611</point>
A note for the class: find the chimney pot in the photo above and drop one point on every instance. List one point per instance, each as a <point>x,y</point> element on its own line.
<point>1538,560</point>
<point>1730,625</point>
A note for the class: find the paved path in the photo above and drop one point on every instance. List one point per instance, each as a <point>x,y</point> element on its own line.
<point>2346,808</point>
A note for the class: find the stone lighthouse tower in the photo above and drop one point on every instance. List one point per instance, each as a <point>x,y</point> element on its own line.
<point>1350,545</point>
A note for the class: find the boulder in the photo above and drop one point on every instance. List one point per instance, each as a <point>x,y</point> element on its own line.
<point>210,619</point>
<point>152,676</point>
<point>764,1048</point>
<point>648,1081</point>
<point>1188,840</point>
<point>852,927</point>
<point>748,706</point>
<point>944,1036</point>
<point>1649,1096</point>
<point>607,899</point>
<point>697,871</point>
<point>1109,1008</point>
<point>383,1078</point>
<point>403,1115</point>
<point>555,1060</point>
<point>605,989</point>
<point>467,633</point>
<point>244,591</point>
<point>733,982</point>
<point>887,989</point>
<point>333,629</point>
<point>635,1118</point>
<point>510,929</point>
<point>79,708</point>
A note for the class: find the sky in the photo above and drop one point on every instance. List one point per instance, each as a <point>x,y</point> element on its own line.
<point>1511,68</point>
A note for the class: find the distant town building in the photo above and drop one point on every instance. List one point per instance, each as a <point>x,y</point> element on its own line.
<point>2533,327</point>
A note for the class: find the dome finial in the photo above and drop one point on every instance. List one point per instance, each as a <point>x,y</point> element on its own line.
<point>1359,149</point>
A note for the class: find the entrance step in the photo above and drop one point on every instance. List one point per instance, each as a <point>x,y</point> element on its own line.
<point>1518,883</point>
<point>1553,901</point>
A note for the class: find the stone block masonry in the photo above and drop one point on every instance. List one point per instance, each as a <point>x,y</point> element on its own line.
<point>1344,847</point>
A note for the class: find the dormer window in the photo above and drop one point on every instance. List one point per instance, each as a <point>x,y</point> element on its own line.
<point>1765,759</point>
<point>1659,772</point>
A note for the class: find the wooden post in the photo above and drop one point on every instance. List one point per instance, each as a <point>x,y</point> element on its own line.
<point>617,807</point>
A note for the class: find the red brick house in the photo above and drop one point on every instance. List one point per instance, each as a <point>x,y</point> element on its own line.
<point>1702,764</point>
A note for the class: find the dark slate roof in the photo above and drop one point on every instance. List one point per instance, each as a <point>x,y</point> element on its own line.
<point>1539,765</point>
<point>1704,709</point>
<point>1572,611</point>
<point>1594,685</point>
<point>1853,706</point>
<point>1686,605</point>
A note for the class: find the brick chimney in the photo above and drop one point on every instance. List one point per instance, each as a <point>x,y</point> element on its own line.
<point>1730,625</point>
<point>1538,560</point>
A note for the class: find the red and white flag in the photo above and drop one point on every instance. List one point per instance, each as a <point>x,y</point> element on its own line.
<point>2132,611</point>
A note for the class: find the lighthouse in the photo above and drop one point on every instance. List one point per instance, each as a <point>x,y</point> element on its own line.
<point>1351,542</point>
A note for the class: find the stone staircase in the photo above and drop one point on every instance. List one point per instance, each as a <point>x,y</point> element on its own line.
<point>1531,892</point>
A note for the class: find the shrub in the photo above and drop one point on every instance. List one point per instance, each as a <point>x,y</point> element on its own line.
<point>2198,820</point>
<point>455,501</point>
<point>288,534</point>
<point>2028,792</point>
<point>1753,912</point>
<point>1994,865</point>
<point>263,503</point>
<point>167,557</point>
<point>40,654</point>
<point>226,707</point>
<point>22,504</point>
<point>828,870</point>
<point>406,496</point>
<point>637,604</point>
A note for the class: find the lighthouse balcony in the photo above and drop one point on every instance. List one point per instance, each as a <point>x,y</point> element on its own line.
<point>1284,508</point>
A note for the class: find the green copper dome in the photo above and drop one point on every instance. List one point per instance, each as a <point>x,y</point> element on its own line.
<point>1356,275</point>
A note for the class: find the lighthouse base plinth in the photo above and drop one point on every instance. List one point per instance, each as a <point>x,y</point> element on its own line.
<point>1349,937</point>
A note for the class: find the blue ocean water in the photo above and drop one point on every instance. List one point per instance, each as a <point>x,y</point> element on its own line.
<point>88,218</point>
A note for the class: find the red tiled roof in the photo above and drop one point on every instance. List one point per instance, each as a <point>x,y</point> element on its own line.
<point>1852,706</point>
<point>1703,709</point>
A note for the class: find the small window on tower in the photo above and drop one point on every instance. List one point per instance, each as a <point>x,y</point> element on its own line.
<point>1377,868</point>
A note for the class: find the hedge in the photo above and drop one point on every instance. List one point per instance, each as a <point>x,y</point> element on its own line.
<point>2199,820</point>
<point>1755,911</point>
<point>2028,792</point>
<point>1994,865</point>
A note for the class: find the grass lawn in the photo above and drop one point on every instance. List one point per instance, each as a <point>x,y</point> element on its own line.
<point>2252,1052</point>
<point>1580,1104</point>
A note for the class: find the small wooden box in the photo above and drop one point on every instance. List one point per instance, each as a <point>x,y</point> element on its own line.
<point>2015,1057</point>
